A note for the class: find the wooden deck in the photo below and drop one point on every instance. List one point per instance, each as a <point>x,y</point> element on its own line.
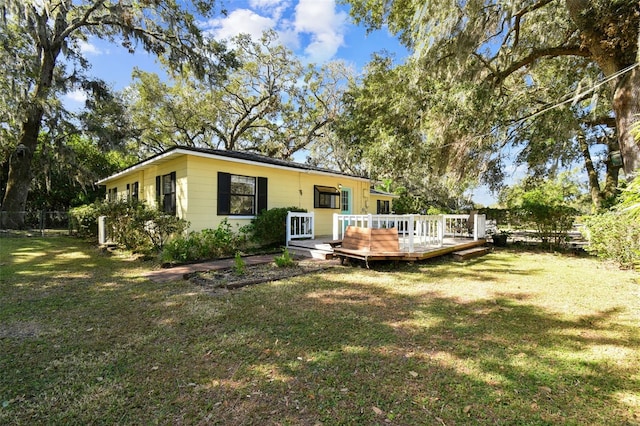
<point>449,245</point>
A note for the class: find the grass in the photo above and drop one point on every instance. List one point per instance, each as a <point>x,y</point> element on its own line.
<point>510,338</point>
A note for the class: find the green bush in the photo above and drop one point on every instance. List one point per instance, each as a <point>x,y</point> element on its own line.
<point>239,265</point>
<point>614,236</point>
<point>285,260</point>
<point>138,227</point>
<point>269,227</point>
<point>552,222</point>
<point>83,220</point>
<point>205,244</point>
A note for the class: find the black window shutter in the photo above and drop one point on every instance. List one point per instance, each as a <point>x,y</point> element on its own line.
<point>224,193</point>
<point>172,199</point>
<point>379,207</point>
<point>262,194</point>
<point>158,191</point>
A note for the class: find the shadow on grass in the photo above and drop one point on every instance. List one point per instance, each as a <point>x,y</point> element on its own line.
<point>343,350</point>
<point>345,346</point>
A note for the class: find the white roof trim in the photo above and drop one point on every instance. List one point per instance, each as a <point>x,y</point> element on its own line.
<point>182,151</point>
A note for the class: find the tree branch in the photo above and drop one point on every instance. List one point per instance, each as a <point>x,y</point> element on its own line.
<point>518,15</point>
<point>576,50</point>
<point>603,120</point>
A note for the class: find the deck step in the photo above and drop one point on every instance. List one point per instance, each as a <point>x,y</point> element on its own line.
<point>309,252</point>
<point>470,253</point>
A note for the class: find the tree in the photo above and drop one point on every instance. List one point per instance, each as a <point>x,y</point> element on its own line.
<point>388,130</point>
<point>548,206</point>
<point>40,31</point>
<point>270,104</point>
<point>495,47</point>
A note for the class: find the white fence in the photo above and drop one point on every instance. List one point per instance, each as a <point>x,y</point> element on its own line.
<point>299,226</point>
<point>416,230</point>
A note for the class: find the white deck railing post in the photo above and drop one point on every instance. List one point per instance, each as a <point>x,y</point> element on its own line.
<point>288,227</point>
<point>475,227</point>
<point>411,232</point>
<point>102,230</point>
<point>336,227</point>
<point>482,226</point>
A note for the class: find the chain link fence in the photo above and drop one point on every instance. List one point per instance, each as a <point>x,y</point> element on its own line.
<point>42,222</point>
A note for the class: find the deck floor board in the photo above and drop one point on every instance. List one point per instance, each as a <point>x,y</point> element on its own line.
<point>450,245</point>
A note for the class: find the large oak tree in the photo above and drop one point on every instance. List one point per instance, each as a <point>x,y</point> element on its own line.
<point>270,103</point>
<point>42,37</point>
<point>500,57</point>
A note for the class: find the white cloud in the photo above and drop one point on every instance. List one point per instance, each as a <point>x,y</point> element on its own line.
<point>88,48</point>
<point>274,8</point>
<point>316,25</point>
<point>78,96</point>
<point>240,21</point>
<point>266,4</point>
<point>326,27</point>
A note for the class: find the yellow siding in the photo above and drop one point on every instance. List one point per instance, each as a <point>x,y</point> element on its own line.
<point>130,179</point>
<point>373,204</point>
<point>197,186</point>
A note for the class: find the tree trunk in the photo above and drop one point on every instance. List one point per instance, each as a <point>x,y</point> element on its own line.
<point>594,184</point>
<point>626,106</point>
<point>19,178</point>
<point>612,58</point>
<point>613,171</point>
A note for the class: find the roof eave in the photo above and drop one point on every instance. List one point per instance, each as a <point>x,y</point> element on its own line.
<point>176,151</point>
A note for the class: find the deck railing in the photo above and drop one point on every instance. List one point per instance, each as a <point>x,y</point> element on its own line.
<point>464,225</point>
<point>299,226</point>
<point>416,230</point>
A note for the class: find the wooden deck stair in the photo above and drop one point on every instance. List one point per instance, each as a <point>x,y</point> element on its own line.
<point>470,253</point>
<point>313,249</point>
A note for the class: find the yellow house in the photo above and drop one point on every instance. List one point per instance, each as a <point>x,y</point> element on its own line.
<point>205,186</point>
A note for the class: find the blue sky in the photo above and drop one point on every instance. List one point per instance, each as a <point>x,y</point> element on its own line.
<point>316,30</point>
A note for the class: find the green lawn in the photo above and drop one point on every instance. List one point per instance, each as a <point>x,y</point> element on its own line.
<point>510,338</point>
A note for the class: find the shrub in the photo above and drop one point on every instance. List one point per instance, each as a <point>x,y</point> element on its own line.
<point>269,227</point>
<point>614,236</point>
<point>552,222</point>
<point>239,265</point>
<point>83,220</point>
<point>138,227</point>
<point>205,244</point>
<point>285,260</point>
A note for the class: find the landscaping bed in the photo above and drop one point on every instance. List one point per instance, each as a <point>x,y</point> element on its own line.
<point>223,280</point>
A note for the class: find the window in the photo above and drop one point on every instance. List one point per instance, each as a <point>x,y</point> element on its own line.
<point>344,200</point>
<point>135,188</point>
<point>112,194</point>
<point>383,207</point>
<point>326,197</point>
<point>166,192</point>
<point>132,191</point>
<point>241,195</point>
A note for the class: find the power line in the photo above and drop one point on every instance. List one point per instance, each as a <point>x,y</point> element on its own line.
<point>570,98</point>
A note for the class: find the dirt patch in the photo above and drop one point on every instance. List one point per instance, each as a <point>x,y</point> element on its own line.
<point>224,280</point>
<point>21,330</point>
